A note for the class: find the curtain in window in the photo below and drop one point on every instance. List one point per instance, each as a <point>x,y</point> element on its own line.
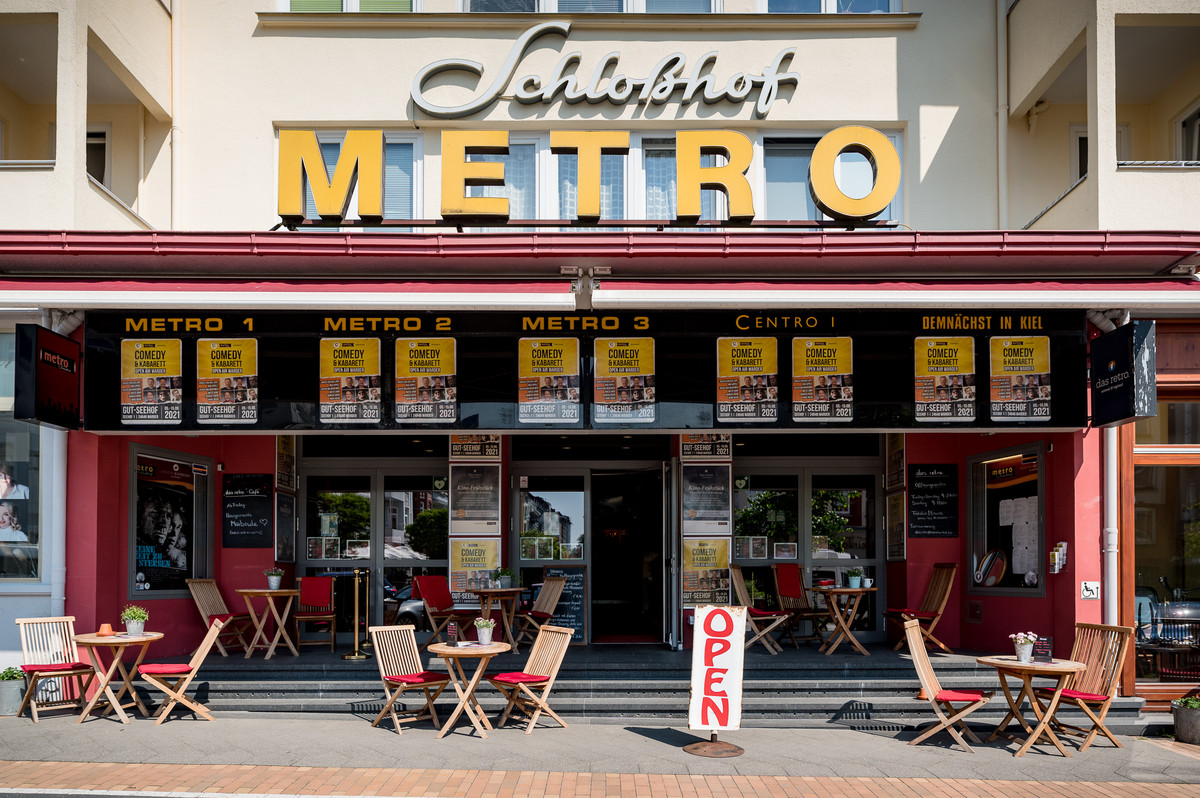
<point>520,181</point>
<point>589,6</point>
<point>315,6</point>
<point>329,154</point>
<point>398,181</point>
<point>661,191</point>
<point>612,186</point>
<point>786,162</point>
<point>384,6</point>
<point>678,6</point>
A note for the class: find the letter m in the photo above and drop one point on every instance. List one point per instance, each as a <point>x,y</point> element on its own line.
<point>360,161</point>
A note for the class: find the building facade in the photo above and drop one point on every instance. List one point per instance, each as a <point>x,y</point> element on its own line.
<point>630,291</point>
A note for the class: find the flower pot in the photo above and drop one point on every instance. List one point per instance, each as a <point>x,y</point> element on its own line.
<point>135,627</point>
<point>1187,723</point>
<point>11,693</point>
<point>484,635</point>
<point>1024,652</point>
<point>273,582</point>
<point>506,581</point>
<point>855,581</point>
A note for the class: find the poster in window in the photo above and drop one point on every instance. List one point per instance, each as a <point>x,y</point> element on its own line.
<point>480,446</point>
<point>1020,378</point>
<point>165,524</point>
<point>350,381</point>
<point>1007,549</point>
<point>822,379</point>
<point>705,571</point>
<point>705,446</point>
<point>474,499</point>
<point>285,527</point>
<point>624,381</point>
<point>226,381</point>
<point>472,563</point>
<point>707,500</point>
<point>944,379</point>
<point>894,463</point>
<point>152,381</point>
<point>426,383</point>
<point>747,379</point>
<point>896,516</point>
<point>285,462</point>
<point>20,553</point>
<point>548,375</point>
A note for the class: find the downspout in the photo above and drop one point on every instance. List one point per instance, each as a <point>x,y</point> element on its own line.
<point>1002,114</point>
<point>1111,552</point>
<point>176,59</point>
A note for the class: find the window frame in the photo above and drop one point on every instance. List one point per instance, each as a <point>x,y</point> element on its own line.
<point>1080,131</point>
<point>1177,124</point>
<point>551,7</point>
<point>350,7</point>
<point>830,7</point>
<point>976,488</point>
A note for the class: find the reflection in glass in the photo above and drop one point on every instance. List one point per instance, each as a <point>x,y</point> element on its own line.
<point>766,519</point>
<point>1167,563</point>
<point>415,523</point>
<point>552,525</point>
<point>338,518</point>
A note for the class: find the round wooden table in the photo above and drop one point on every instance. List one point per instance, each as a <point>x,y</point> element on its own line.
<point>843,616</point>
<point>1062,669</point>
<point>455,655</point>
<point>260,619</point>
<point>116,645</point>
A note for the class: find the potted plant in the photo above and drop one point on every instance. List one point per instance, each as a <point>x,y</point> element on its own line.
<point>1023,643</point>
<point>274,576</point>
<point>1186,713</point>
<point>12,690</point>
<point>134,618</point>
<point>483,630</point>
<point>505,577</point>
<point>854,576</point>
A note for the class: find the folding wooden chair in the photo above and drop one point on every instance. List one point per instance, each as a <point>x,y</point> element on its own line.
<point>792,595</point>
<point>941,699</point>
<point>49,652</point>
<point>400,669</point>
<point>1103,649</point>
<point>316,606</point>
<point>761,622</point>
<point>439,606</point>
<point>212,607</point>
<point>541,669</point>
<point>932,606</point>
<point>543,608</point>
<point>173,678</point>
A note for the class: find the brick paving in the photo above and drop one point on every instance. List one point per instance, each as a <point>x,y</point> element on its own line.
<point>23,777</point>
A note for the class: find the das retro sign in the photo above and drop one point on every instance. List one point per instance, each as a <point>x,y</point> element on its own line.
<point>360,163</point>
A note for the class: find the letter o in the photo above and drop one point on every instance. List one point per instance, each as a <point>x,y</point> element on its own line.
<point>609,323</point>
<point>708,623</point>
<point>811,321</point>
<point>885,165</point>
<point>212,325</point>
<point>411,323</point>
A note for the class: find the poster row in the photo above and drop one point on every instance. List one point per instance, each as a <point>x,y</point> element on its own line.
<point>550,374</point>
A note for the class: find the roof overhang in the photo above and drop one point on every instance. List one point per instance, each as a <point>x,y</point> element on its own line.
<point>624,255</point>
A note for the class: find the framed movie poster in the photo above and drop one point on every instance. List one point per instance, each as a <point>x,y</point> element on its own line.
<point>285,527</point>
<point>170,520</point>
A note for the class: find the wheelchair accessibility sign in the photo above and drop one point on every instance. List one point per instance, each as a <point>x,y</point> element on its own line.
<point>1089,590</point>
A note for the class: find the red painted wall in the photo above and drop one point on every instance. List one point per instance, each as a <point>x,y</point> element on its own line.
<point>98,533</point>
<point>1072,514</point>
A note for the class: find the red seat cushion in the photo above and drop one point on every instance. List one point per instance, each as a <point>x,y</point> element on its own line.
<point>541,616</point>
<point>424,677</point>
<point>55,666</point>
<point>317,614</point>
<point>518,677</point>
<point>960,695</point>
<point>756,613</point>
<point>165,668</point>
<point>1069,693</point>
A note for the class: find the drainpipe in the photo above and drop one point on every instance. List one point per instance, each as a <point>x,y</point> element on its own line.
<point>176,133</point>
<point>1111,553</point>
<point>1002,114</point>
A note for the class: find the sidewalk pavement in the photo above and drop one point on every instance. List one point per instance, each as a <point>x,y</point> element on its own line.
<point>321,754</point>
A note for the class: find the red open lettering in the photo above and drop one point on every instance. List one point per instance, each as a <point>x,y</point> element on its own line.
<point>727,624</point>
<point>713,648</point>
<point>712,681</point>
<point>714,711</point>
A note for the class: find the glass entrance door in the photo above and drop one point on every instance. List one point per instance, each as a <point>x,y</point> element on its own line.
<point>627,556</point>
<point>845,539</point>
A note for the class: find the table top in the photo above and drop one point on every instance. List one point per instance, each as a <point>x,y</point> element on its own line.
<point>254,591</point>
<point>496,591</point>
<point>473,650</point>
<point>843,591</point>
<point>93,639</point>
<point>1009,662</point>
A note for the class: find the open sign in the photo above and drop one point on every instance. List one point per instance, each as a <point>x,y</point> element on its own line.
<point>717,667</point>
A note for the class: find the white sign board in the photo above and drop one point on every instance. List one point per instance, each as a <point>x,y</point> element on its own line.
<point>718,650</point>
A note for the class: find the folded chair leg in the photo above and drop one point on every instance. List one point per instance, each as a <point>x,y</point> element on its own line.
<point>389,706</point>
<point>1098,727</point>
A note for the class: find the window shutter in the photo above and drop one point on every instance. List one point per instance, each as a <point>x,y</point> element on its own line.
<point>678,6</point>
<point>385,6</point>
<point>590,6</point>
<point>398,181</point>
<point>316,6</point>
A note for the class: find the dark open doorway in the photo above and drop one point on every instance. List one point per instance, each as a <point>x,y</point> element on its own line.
<point>627,550</point>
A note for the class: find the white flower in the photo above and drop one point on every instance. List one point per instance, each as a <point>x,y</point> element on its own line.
<point>1022,638</point>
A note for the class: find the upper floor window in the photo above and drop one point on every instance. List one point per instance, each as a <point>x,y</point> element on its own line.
<point>1189,135</point>
<point>364,6</point>
<point>590,6</point>
<point>97,154</point>
<point>399,177</point>
<point>830,6</point>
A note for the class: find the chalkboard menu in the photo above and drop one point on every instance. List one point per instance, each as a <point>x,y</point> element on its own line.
<point>1043,649</point>
<point>248,511</point>
<point>571,611</point>
<point>933,501</point>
